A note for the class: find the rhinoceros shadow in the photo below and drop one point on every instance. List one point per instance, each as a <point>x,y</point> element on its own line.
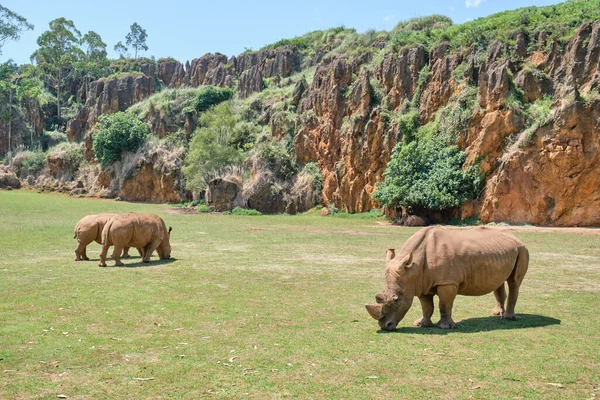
<point>484,324</point>
<point>136,262</point>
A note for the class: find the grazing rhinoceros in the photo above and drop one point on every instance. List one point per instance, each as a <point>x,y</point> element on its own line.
<point>144,231</point>
<point>434,261</point>
<point>89,229</point>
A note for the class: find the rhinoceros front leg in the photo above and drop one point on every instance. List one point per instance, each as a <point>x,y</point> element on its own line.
<point>150,249</point>
<point>447,294</point>
<point>427,306</point>
<point>500,295</point>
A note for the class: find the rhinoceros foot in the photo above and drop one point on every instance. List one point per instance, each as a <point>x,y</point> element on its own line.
<point>423,323</point>
<point>497,311</point>
<point>510,317</point>
<point>446,324</point>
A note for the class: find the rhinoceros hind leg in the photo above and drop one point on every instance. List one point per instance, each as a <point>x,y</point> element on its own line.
<point>125,252</point>
<point>514,283</point>
<point>500,295</point>
<point>447,294</point>
<point>80,252</point>
<point>116,255</point>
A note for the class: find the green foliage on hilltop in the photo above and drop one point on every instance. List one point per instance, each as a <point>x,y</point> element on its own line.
<point>116,134</point>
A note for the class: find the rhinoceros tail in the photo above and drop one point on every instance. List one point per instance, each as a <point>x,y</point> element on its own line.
<point>105,231</point>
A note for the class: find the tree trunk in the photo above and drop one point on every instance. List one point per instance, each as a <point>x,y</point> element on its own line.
<point>58,85</point>
<point>9,118</point>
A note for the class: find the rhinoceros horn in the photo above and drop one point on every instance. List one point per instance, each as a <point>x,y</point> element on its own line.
<point>374,310</point>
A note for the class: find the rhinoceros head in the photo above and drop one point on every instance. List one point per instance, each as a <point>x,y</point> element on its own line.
<point>164,250</point>
<point>393,303</point>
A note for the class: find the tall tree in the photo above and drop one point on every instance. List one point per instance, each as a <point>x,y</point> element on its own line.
<point>94,63</point>
<point>136,39</point>
<point>11,26</point>
<point>7,94</point>
<point>58,51</point>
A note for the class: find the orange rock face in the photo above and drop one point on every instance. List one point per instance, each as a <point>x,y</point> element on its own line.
<point>555,179</point>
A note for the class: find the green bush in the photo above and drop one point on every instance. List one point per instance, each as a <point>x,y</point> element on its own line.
<point>277,158</point>
<point>116,134</point>
<point>209,96</point>
<point>212,147</point>
<point>428,174</point>
<point>314,171</point>
<point>52,138</point>
<point>29,162</point>
<point>242,211</point>
<point>203,208</point>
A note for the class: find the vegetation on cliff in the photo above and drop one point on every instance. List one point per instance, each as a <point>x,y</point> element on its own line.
<point>425,112</point>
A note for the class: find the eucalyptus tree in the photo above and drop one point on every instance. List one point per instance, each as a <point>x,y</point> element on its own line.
<point>58,52</point>
<point>11,26</point>
<point>136,39</point>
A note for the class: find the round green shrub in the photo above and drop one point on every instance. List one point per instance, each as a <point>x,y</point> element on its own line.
<point>116,134</point>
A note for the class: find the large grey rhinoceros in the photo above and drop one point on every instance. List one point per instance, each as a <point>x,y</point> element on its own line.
<point>470,262</point>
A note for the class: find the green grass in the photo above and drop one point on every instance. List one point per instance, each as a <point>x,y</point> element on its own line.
<point>272,307</point>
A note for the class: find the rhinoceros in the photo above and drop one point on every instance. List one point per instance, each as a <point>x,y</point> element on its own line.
<point>89,229</point>
<point>436,261</point>
<point>147,232</point>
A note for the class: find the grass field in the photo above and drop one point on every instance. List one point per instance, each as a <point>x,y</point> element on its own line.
<point>273,307</point>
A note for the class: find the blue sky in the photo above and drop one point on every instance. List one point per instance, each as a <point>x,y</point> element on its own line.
<point>187,29</point>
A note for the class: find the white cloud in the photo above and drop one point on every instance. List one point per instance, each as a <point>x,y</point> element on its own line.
<point>389,17</point>
<point>473,3</point>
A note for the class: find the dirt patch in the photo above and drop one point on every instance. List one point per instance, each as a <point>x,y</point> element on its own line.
<point>323,231</point>
<point>182,210</point>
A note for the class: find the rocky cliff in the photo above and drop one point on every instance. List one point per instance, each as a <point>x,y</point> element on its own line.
<point>524,108</point>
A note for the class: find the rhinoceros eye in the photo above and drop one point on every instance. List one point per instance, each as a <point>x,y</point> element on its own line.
<point>379,299</point>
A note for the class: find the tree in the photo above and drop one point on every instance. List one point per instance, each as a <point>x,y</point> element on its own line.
<point>122,50</point>
<point>58,52</point>
<point>212,146</point>
<point>94,63</point>
<point>428,174</point>
<point>8,90</point>
<point>11,26</point>
<point>136,39</point>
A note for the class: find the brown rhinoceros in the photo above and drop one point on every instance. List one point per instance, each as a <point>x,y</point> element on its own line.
<point>434,261</point>
<point>147,232</point>
<point>89,229</point>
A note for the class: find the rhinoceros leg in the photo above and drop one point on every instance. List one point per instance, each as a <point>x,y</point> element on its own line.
<point>125,252</point>
<point>427,306</point>
<point>150,249</point>
<point>500,295</point>
<point>103,254</point>
<point>514,283</point>
<point>79,252</point>
<point>116,255</point>
<point>446,294</point>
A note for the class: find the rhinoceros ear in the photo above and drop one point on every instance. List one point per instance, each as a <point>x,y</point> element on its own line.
<point>407,261</point>
<point>170,229</point>
<point>374,310</point>
<point>390,254</point>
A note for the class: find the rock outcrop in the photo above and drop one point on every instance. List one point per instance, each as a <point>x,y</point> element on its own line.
<point>108,97</point>
<point>554,180</point>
